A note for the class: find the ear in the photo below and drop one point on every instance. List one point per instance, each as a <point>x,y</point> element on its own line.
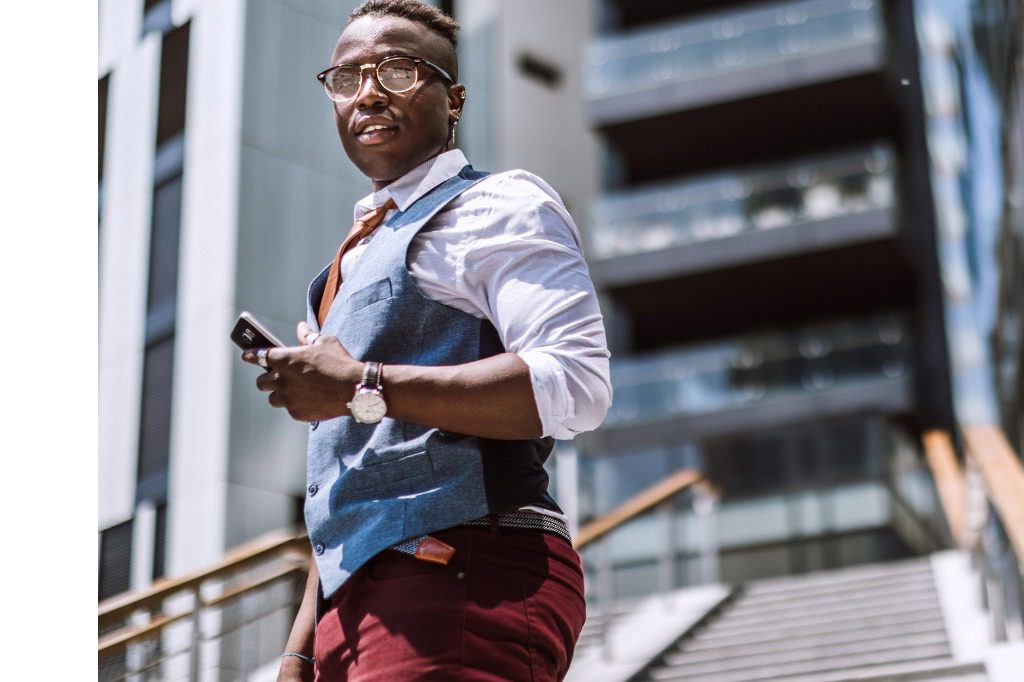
<point>456,100</point>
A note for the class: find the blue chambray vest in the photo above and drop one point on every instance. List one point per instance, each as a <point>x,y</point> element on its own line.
<point>370,486</point>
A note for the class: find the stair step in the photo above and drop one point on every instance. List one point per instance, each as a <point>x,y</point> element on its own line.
<point>826,591</point>
<point>734,622</point>
<point>795,653</point>
<point>756,672</point>
<point>907,621</point>
<point>842,576</point>
<point>813,641</point>
<point>937,670</point>
<point>824,595</point>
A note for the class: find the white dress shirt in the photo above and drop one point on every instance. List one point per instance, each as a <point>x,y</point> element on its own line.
<point>508,251</point>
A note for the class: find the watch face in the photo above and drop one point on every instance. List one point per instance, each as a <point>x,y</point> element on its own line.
<point>368,407</point>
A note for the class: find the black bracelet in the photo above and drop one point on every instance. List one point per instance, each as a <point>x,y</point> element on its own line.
<point>304,657</point>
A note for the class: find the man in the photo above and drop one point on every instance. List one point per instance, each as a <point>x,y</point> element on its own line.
<point>464,335</point>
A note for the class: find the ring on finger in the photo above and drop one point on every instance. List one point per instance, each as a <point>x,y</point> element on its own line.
<point>261,357</point>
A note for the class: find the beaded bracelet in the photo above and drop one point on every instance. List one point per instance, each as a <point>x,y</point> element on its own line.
<point>307,659</point>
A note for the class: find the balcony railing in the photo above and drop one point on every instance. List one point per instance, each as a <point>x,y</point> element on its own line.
<point>741,202</point>
<point>738,372</point>
<point>728,43</point>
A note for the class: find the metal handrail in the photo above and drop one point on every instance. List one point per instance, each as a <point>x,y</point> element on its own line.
<point>992,479</point>
<point>949,481</point>
<point>635,506</point>
<point>122,626</point>
<point>136,617</point>
<point>1003,474</point>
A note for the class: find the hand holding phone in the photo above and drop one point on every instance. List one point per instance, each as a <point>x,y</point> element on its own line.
<point>249,334</point>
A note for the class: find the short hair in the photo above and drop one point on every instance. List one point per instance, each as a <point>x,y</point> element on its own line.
<point>413,10</point>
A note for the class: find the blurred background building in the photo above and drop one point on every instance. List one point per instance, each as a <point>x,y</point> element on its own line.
<point>806,222</point>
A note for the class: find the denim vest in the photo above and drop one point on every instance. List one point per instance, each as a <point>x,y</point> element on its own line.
<point>370,486</point>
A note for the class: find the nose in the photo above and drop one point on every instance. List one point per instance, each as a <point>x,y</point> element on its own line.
<point>371,93</point>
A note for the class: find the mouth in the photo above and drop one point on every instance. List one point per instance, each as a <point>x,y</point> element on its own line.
<point>376,133</point>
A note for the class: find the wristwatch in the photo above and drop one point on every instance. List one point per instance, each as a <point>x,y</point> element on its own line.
<point>367,405</point>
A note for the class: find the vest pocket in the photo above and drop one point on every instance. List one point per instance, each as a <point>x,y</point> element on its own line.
<point>393,477</point>
<point>371,293</point>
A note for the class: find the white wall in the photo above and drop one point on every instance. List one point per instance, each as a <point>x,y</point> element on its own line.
<point>514,121</point>
<point>124,255</point>
<point>295,202</point>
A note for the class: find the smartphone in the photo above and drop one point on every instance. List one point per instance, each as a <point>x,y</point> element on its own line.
<point>249,334</point>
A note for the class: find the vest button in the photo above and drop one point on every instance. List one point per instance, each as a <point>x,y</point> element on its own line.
<point>313,488</point>
<point>318,548</point>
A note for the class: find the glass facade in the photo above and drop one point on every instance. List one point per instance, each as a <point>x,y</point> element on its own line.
<point>806,496</point>
<point>727,43</point>
<point>743,201</point>
<point>735,372</point>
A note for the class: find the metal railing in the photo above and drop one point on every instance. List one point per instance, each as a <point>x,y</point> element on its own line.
<point>165,631</point>
<point>660,499</point>
<point>984,506</point>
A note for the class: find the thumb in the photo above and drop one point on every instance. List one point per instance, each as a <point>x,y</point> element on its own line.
<point>306,334</point>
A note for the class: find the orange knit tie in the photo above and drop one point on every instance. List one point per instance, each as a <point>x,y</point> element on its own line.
<point>360,229</point>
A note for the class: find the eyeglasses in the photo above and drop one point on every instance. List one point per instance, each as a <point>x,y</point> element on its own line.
<point>395,74</point>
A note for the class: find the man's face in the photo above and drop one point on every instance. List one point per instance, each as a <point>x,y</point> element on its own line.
<point>417,122</point>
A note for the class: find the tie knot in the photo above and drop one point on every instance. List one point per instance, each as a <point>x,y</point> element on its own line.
<point>375,217</point>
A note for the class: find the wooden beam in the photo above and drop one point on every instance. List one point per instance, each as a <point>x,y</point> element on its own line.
<point>636,505</point>
<point>1003,474</point>
<point>949,480</point>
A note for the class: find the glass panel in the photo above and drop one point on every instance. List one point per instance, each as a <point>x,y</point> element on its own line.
<point>115,560</point>
<point>742,201</point>
<point>727,43</point>
<point>104,87</point>
<point>173,84</point>
<point>155,427</point>
<point>735,372</point>
<point>163,260</point>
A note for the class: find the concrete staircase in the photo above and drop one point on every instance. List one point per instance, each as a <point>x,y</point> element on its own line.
<point>878,622</point>
<point>920,619</point>
<point>872,623</point>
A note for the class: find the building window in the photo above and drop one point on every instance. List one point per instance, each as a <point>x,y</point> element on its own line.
<point>162,294</point>
<point>155,426</point>
<point>115,560</point>
<point>156,16</point>
<point>173,84</point>
<point>104,86</point>
<point>160,543</point>
<point>162,298</point>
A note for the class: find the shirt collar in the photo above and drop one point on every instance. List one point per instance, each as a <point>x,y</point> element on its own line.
<point>414,184</point>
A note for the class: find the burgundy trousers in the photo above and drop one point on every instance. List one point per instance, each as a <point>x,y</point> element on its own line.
<point>508,607</point>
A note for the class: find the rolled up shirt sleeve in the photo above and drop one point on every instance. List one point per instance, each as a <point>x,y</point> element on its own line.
<point>517,260</point>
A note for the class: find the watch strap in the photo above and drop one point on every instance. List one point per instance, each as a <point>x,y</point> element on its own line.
<point>371,375</point>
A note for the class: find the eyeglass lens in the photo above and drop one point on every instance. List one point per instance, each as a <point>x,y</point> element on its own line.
<point>395,75</point>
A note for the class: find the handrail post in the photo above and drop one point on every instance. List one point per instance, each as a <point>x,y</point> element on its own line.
<point>604,595</point>
<point>704,503</point>
<point>666,518</point>
<point>196,635</point>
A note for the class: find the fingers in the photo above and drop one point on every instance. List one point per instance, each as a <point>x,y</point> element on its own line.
<point>306,334</point>
<point>268,381</point>
<point>261,356</point>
